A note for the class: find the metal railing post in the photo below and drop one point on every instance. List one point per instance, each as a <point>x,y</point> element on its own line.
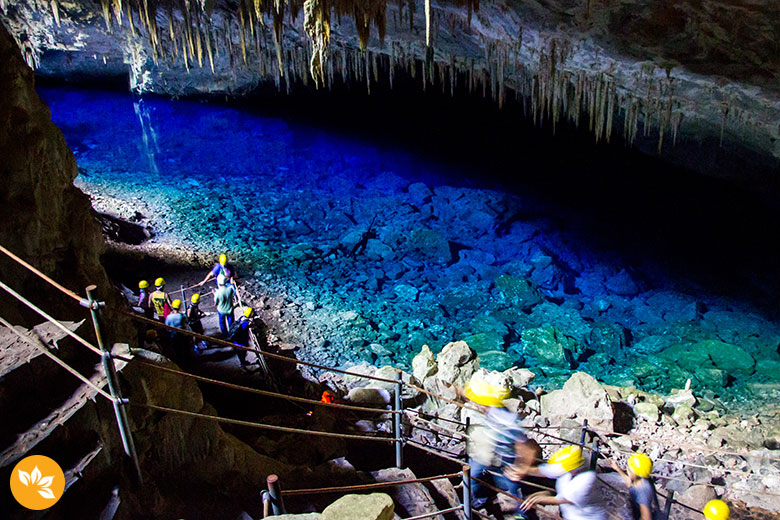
<point>113,386</point>
<point>265,497</point>
<point>594,455</point>
<point>584,431</point>
<point>397,408</point>
<point>668,504</point>
<point>466,472</point>
<point>275,491</point>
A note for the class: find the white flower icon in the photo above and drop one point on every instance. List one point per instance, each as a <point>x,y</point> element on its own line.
<point>37,480</point>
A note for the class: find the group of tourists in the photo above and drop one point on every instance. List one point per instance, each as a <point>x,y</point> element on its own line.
<point>499,449</point>
<point>159,306</point>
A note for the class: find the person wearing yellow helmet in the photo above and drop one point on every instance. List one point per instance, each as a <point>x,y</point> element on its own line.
<point>716,510</point>
<point>159,301</point>
<point>143,298</point>
<point>224,268</point>
<point>642,497</point>
<point>240,332</point>
<point>576,487</point>
<point>225,301</point>
<point>495,441</point>
<point>179,342</point>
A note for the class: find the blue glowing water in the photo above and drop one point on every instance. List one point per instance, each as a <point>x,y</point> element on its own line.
<point>447,262</point>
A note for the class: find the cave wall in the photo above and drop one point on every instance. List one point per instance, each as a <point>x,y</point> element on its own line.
<point>45,219</point>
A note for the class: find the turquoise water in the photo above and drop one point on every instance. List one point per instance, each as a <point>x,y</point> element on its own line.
<point>450,258</point>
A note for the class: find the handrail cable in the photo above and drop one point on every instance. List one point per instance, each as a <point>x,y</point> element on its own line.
<point>251,424</point>
<point>35,271</point>
<point>57,360</point>
<point>49,318</point>
<point>361,487</point>
<point>443,428</point>
<point>225,343</point>
<point>435,513</point>
<point>516,499</point>
<point>266,392</point>
<point>440,397</point>
<point>432,416</point>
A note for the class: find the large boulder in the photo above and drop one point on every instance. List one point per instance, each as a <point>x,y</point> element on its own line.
<point>376,506</point>
<point>457,362</point>
<point>485,341</point>
<point>581,397</point>
<point>549,346</point>
<point>496,360</point>
<point>429,245</point>
<point>409,499</point>
<point>518,291</point>
<point>727,357</point>
<point>424,364</point>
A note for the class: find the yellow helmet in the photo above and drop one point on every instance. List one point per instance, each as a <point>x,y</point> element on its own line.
<point>640,464</point>
<point>151,334</point>
<point>485,393</point>
<point>569,458</point>
<point>160,282</point>
<point>195,298</point>
<point>176,304</point>
<point>223,259</point>
<point>716,510</point>
<point>143,284</point>
<point>249,312</point>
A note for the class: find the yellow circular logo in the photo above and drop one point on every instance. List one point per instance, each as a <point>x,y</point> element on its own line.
<point>37,482</point>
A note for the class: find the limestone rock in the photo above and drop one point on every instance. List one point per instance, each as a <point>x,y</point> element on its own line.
<point>772,438</point>
<point>370,396</point>
<point>495,360</point>
<point>376,506</point>
<point>484,342</point>
<point>424,364</point>
<point>582,397</point>
<point>429,245</point>
<point>304,516</point>
<point>518,291</point>
<point>457,362</point>
<point>730,358</point>
<point>409,499</point>
<point>648,411</point>
<point>548,345</point>
<point>683,414</point>
<point>697,496</point>
<point>680,397</point>
<point>520,377</point>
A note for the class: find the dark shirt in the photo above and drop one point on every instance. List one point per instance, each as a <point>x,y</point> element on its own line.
<point>642,493</point>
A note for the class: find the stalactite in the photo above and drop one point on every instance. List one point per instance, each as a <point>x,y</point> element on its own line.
<point>278,16</point>
<point>316,23</point>
<point>185,55</point>
<point>130,19</point>
<point>55,11</point>
<point>724,107</point>
<point>105,7</point>
<point>241,35</point>
<point>208,50</point>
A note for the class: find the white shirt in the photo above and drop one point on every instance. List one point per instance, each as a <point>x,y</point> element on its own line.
<point>583,493</point>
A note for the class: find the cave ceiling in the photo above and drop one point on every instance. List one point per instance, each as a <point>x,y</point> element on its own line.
<point>657,71</point>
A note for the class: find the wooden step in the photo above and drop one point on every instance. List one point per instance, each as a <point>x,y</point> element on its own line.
<point>59,416</point>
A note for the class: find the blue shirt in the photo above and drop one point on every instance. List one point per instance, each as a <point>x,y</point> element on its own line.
<point>228,271</point>
<point>175,319</point>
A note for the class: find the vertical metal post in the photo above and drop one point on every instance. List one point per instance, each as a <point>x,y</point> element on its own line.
<point>113,386</point>
<point>668,504</point>
<point>275,491</point>
<point>594,455</point>
<point>466,472</point>
<point>398,408</point>
<point>183,300</point>
<point>265,497</point>
<point>584,431</point>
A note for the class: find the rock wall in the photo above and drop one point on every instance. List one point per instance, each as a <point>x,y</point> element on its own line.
<point>45,219</point>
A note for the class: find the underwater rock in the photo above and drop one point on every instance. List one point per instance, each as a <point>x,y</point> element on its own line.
<point>419,194</point>
<point>768,369</point>
<point>518,291</point>
<point>582,397</point>
<point>565,319</point>
<point>376,506</point>
<point>429,246</point>
<point>549,346</point>
<point>730,358</point>
<point>406,292</point>
<point>495,360</point>
<point>484,342</point>
<point>622,284</point>
<point>457,363</point>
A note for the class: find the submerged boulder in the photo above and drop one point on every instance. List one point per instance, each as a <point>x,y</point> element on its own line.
<point>429,245</point>
<point>518,291</point>
<point>582,397</point>
<point>549,346</point>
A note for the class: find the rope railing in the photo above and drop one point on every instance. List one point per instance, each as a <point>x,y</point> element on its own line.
<point>434,417</point>
<point>266,392</point>
<point>39,346</point>
<point>365,487</point>
<point>515,498</point>
<point>35,271</point>
<point>252,424</point>
<point>48,318</point>
<point>454,433</point>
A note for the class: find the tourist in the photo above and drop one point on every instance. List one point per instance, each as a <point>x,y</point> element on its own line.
<point>159,301</point>
<point>577,492</point>
<point>224,268</point>
<point>716,510</point>
<point>642,498</point>
<point>496,443</point>
<point>224,299</point>
<point>143,298</point>
<point>179,341</point>
<point>194,316</point>
<point>239,334</point>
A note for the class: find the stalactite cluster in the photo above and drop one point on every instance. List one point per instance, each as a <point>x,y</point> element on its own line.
<point>549,86</point>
